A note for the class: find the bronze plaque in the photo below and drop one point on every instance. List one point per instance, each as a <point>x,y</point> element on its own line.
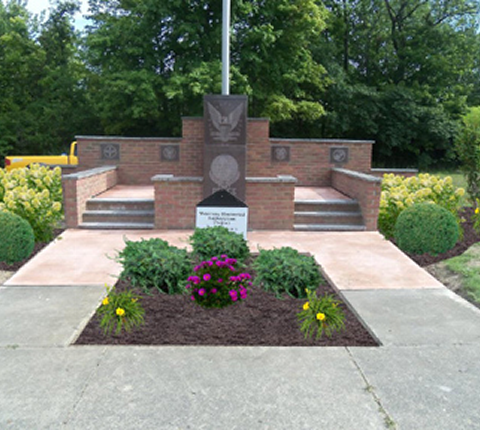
<point>225,120</point>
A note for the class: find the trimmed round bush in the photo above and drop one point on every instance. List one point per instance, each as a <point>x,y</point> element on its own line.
<point>426,228</point>
<point>216,241</point>
<point>285,270</point>
<point>17,239</point>
<point>153,263</point>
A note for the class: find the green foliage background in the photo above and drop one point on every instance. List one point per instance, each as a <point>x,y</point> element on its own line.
<point>401,72</point>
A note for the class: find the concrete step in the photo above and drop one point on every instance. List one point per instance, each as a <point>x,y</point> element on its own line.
<point>122,216</point>
<point>117,225</point>
<point>326,206</point>
<point>321,217</point>
<point>119,204</point>
<point>328,227</point>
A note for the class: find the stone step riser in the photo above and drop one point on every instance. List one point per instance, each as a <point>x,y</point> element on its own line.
<point>119,217</point>
<point>96,205</point>
<point>117,226</point>
<point>326,207</point>
<point>327,219</point>
<point>328,227</point>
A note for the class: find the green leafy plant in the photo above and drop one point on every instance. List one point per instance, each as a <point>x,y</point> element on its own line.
<point>153,263</point>
<point>467,146</point>
<point>217,283</point>
<point>16,238</point>
<point>320,315</point>
<point>285,270</point>
<point>35,194</point>
<point>399,193</point>
<point>215,241</point>
<point>120,311</point>
<point>426,228</point>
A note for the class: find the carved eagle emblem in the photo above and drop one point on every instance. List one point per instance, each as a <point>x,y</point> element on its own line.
<point>225,124</point>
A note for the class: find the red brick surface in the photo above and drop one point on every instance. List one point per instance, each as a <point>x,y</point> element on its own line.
<point>76,192</point>
<point>367,193</point>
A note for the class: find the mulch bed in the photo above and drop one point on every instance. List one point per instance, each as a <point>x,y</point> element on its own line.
<point>261,320</point>
<point>470,237</point>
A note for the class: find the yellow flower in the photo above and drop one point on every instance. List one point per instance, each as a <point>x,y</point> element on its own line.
<point>320,316</point>
<point>120,312</point>
<point>477,211</point>
<point>460,192</point>
<point>105,301</point>
<point>306,306</point>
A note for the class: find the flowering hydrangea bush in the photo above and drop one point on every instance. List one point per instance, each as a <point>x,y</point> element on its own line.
<point>35,194</point>
<point>399,193</point>
<point>217,283</point>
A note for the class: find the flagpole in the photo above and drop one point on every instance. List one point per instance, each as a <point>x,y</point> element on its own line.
<point>226,48</point>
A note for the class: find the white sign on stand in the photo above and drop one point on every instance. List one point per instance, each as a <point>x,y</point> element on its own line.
<point>233,218</point>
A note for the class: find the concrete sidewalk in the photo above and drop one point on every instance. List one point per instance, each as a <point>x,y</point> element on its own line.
<point>425,375</point>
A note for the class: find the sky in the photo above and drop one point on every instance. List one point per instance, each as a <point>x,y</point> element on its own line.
<point>37,6</point>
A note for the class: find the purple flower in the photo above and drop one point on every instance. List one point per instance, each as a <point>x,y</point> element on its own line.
<point>233,293</point>
<point>220,263</point>
<point>192,297</point>
<point>194,279</point>
<point>220,280</point>
<point>224,256</point>
<point>214,258</point>
<point>243,294</point>
<point>206,277</point>
<point>196,268</point>
<point>231,260</point>
<point>214,290</point>
<point>250,284</point>
<point>210,263</point>
<point>233,278</point>
<point>201,292</point>
<point>231,268</point>
<point>187,286</point>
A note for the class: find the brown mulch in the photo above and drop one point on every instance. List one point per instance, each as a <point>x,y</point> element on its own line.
<point>470,237</point>
<point>38,247</point>
<point>261,320</point>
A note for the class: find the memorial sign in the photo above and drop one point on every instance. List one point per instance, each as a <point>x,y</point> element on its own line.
<point>225,121</point>
<point>223,209</point>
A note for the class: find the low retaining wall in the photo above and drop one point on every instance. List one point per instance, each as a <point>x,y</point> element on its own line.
<point>79,187</point>
<point>407,173</point>
<point>366,189</point>
<point>175,201</point>
<point>270,202</point>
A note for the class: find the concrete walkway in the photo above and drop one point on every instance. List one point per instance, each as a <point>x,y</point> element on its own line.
<point>425,375</point>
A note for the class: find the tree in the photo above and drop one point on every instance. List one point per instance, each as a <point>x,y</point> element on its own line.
<point>154,61</point>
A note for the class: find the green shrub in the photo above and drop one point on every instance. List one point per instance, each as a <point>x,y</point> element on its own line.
<point>120,311</point>
<point>426,228</point>
<point>467,147</point>
<point>215,241</point>
<point>321,315</point>
<point>285,270</point>
<point>154,263</point>
<point>217,283</point>
<point>399,193</point>
<point>16,238</point>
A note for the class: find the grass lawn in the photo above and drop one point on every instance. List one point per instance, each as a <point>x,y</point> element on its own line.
<point>467,266</point>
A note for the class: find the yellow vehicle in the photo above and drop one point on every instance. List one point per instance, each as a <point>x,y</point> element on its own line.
<point>16,161</point>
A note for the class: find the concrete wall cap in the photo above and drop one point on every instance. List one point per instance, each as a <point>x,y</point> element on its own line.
<point>358,175</point>
<point>279,179</point>
<point>172,178</point>
<point>91,172</point>
<point>274,140</point>
<point>122,138</point>
<point>395,170</point>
